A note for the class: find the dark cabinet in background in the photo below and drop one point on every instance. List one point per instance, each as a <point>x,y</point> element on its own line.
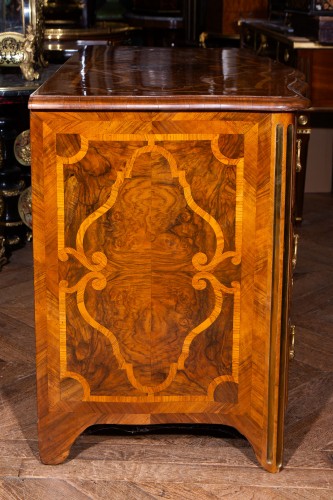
<point>315,61</point>
<point>221,16</point>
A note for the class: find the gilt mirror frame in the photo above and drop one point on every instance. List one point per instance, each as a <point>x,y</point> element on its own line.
<point>21,35</point>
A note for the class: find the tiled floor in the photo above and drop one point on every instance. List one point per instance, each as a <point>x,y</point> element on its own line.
<point>182,466</point>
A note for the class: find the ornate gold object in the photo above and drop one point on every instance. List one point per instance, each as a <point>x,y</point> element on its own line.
<point>292,342</point>
<point>25,208</point>
<point>21,36</point>
<point>22,149</point>
<point>7,193</point>
<point>11,49</point>
<point>27,65</point>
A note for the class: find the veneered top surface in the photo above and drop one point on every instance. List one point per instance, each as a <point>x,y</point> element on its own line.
<point>144,78</point>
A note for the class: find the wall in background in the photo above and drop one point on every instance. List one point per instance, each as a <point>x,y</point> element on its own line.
<point>320,161</point>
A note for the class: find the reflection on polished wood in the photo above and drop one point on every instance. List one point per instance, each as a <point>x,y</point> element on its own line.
<point>162,244</point>
<point>110,78</point>
<point>63,42</point>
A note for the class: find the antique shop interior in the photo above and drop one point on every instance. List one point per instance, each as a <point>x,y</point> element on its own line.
<point>166,244</point>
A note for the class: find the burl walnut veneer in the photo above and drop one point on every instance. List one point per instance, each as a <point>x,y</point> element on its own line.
<point>162,198</point>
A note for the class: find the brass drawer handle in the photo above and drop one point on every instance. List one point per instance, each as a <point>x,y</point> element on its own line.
<point>292,342</point>
<point>294,257</point>
<point>298,155</point>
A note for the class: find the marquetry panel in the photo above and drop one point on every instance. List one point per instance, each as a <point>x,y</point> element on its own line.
<point>155,275</point>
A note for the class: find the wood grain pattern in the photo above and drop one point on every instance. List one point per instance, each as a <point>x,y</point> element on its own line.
<point>151,275</point>
<point>141,79</point>
<point>159,242</point>
<point>158,271</point>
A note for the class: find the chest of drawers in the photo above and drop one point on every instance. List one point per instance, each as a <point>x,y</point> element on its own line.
<point>162,198</point>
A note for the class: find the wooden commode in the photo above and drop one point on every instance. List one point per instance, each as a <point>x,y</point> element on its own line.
<point>162,207</point>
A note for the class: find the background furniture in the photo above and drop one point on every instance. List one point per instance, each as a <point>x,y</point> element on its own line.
<point>315,60</point>
<point>71,25</point>
<point>157,22</point>
<point>221,16</point>
<point>163,189</point>
<point>15,154</point>
<point>191,17</point>
<point>14,119</point>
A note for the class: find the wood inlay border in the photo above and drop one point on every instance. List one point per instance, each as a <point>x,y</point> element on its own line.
<point>203,267</point>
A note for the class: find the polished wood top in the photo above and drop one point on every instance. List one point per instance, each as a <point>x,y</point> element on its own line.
<point>129,78</point>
